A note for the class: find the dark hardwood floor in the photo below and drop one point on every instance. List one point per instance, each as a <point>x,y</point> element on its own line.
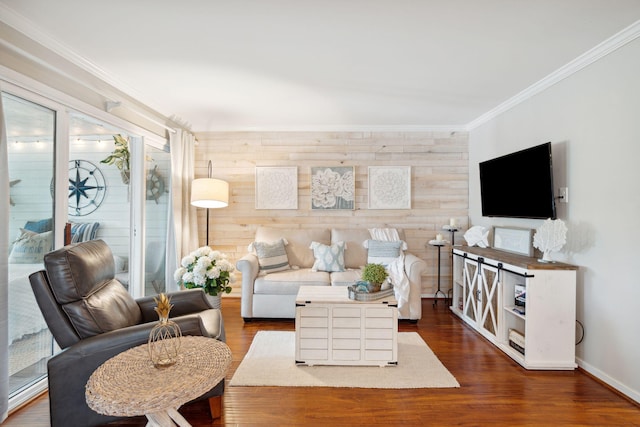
<point>493,389</point>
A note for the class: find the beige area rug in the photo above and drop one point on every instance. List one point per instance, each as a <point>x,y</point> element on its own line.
<point>270,362</point>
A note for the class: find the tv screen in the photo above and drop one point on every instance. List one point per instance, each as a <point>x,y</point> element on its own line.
<point>519,185</point>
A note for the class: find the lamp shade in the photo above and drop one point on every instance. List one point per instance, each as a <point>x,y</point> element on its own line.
<point>209,193</point>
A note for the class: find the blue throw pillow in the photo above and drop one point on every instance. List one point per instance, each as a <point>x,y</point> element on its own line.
<point>83,231</point>
<point>39,226</point>
<point>328,258</point>
<point>383,252</point>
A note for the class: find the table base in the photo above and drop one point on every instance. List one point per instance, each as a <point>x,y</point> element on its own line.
<point>166,419</point>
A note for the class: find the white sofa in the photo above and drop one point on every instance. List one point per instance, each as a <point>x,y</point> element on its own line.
<point>273,295</point>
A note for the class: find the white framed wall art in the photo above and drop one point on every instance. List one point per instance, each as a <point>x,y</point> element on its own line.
<point>276,187</point>
<point>389,187</point>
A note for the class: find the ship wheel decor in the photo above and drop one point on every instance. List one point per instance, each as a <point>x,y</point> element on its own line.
<point>155,184</point>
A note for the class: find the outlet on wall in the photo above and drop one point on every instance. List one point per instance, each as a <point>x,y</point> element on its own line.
<point>563,194</point>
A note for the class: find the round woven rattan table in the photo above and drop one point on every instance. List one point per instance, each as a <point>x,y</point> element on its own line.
<point>129,385</point>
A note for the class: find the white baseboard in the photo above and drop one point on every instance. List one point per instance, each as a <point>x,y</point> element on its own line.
<point>622,388</point>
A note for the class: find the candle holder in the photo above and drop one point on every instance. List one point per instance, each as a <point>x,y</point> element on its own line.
<point>452,230</point>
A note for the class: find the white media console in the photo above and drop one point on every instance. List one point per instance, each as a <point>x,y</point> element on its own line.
<point>484,289</point>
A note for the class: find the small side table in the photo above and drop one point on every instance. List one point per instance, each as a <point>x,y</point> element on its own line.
<point>129,385</point>
<point>439,244</point>
<point>452,229</point>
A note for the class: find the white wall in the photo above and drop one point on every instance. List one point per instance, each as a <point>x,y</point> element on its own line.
<point>593,121</point>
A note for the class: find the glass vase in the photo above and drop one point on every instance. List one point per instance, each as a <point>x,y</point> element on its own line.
<point>164,343</point>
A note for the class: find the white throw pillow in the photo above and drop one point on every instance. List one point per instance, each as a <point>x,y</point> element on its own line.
<point>30,247</point>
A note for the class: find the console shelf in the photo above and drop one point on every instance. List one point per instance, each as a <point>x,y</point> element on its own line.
<point>484,289</point>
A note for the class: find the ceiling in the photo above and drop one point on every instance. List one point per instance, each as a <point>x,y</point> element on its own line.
<point>301,64</point>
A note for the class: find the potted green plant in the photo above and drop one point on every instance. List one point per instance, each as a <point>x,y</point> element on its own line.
<point>120,157</point>
<point>375,274</point>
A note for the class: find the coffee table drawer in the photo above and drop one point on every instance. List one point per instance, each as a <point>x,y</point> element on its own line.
<point>306,354</point>
<point>314,322</point>
<point>346,322</point>
<point>346,355</point>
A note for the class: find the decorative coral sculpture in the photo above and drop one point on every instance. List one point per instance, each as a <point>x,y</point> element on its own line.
<point>550,237</point>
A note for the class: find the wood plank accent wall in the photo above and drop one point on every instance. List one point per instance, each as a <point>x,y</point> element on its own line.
<point>440,181</point>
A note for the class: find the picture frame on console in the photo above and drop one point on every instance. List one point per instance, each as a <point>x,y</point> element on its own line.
<point>514,240</point>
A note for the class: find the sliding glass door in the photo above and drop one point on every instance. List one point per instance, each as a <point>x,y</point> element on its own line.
<point>31,149</point>
<point>71,170</point>
<point>156,209</point>
<point>99,187</point>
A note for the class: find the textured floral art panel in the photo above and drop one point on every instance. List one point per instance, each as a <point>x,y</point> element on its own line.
<point>333,187</point>
<point>276,187</point>
<point>389,187</point>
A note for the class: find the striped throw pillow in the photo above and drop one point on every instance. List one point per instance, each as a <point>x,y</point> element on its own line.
<point>383,252</point>
<point>272,257</point>
<point>83,231</point>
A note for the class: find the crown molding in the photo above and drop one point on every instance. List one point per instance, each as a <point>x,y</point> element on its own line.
<point>339,128</point>
<point>613,43</point>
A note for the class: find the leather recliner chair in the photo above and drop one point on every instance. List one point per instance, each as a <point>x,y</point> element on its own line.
<point>92,317</point>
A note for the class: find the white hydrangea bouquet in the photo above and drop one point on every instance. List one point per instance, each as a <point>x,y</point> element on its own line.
<point>207,269</point>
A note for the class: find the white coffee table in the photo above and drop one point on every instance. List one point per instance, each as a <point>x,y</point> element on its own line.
<point>332,329</point>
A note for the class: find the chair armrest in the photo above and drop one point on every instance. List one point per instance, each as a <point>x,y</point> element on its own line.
<point>248,266</point>
<point>184,302</point>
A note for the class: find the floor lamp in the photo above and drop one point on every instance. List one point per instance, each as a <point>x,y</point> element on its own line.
<point>209,193</point>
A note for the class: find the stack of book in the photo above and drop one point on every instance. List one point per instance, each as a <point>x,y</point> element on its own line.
<point>516,340</point>
<point>520,296</point>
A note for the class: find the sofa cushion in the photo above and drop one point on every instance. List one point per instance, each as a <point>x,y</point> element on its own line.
<point>384,253</point>
<point>346,278</point>
<point>299,240</point>
<point>328,257</point>
<point>272,256</point>
<point>355,256</point>
<point>288,282</point>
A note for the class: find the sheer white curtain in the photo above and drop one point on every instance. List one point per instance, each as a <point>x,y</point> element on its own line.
<point>4,268</point>
<point>182,218</point>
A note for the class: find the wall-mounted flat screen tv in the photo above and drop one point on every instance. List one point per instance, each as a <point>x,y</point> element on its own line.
<point>519,185</point>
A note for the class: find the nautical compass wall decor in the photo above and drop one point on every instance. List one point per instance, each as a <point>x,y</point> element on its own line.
<point>87,187</point>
